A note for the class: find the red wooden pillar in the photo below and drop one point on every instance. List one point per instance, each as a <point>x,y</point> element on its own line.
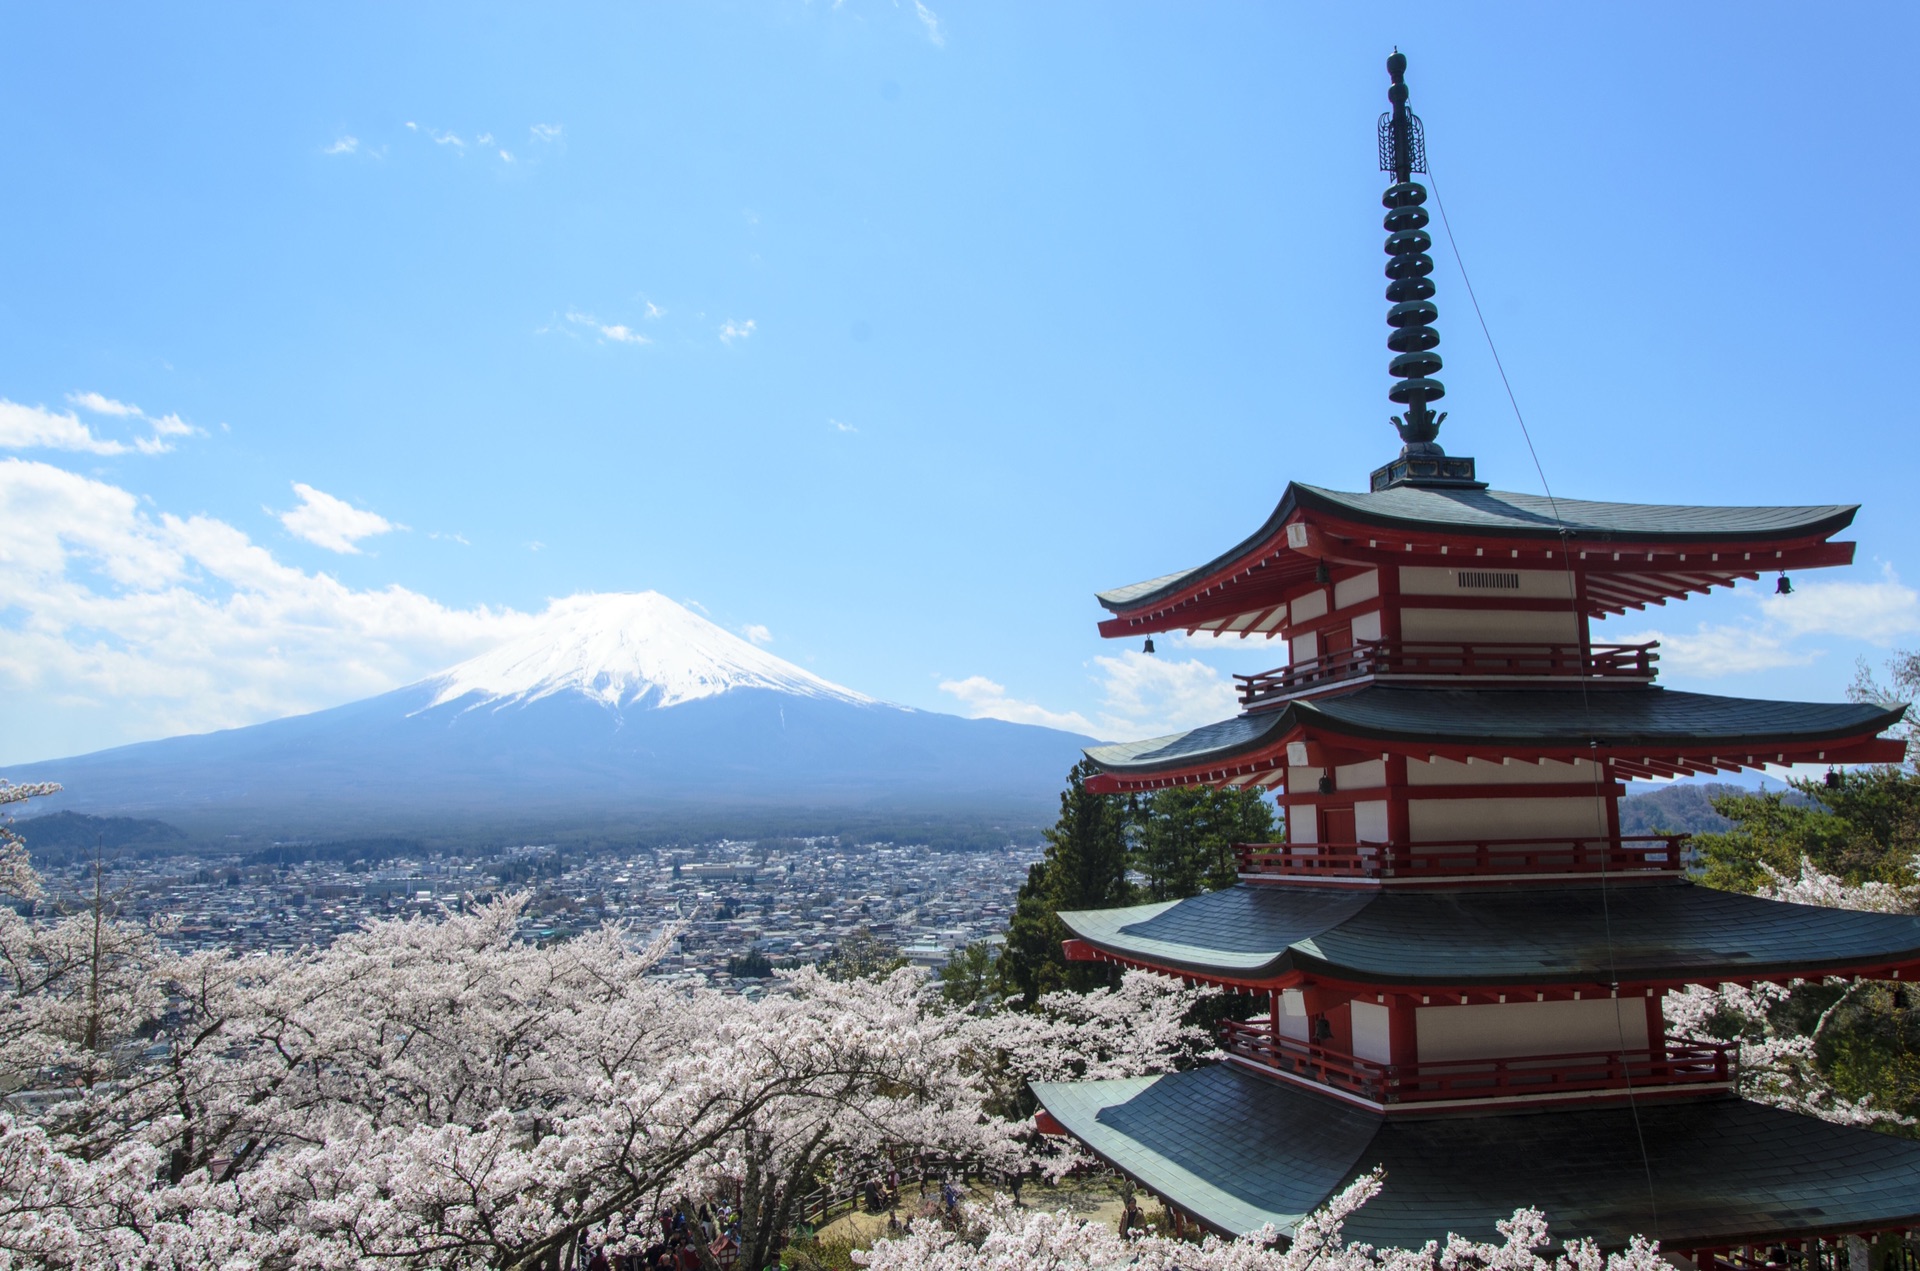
<point>1656,1024</point>
<point>1390,603</point>
<point>1399,820</point>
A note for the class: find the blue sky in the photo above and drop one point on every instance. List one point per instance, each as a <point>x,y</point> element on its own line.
<point>335,340</point>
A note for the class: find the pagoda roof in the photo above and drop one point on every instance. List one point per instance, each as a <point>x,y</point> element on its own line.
<point>1239,1151</point>
<point>1248,576</point>
<point>1672,730</point>
<point>1671,932</point>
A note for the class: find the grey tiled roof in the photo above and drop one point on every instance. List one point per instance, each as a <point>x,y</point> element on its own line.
<point>1499,512</point>
<point>1506,512</point>
<point>1615,717</point>
<point>1535,935</point>
<point>1240,1151</point>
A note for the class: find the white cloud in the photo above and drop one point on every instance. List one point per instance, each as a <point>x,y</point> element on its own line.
<point>446,139</point>
<point>545,132</point>
<point>332,523</point>
<point>344,145</point>
<point>485,139</point>
<point>617,332</point>
<point>1141,696</point>
<point>931,21</point>
<point>121,623</point>
<point>1147,696</point>
<point>1713,651</point>
<point>506,156</point>
<point>983,699</point>
<point>840,427</point>
<point>731,331</point>
<point>449,537</point>
<point>655,311</point>
<point>37,428</point>
<point>1878,613</point>
<point>757,633</point>
<point>98,404</point>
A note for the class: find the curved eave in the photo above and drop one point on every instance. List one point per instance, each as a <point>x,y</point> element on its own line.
<point>1641,730</point>
<point>1273,936</point>
<point>1258,572</point>
<point>1239,1151</point>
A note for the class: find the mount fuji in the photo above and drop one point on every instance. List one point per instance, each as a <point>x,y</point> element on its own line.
<point>620,708</point>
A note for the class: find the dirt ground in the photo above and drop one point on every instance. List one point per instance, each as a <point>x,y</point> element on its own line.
<point>1095,1198</point>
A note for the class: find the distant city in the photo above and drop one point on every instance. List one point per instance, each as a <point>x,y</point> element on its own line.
<point>791,900</point>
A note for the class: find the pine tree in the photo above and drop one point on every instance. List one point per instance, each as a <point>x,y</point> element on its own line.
<point>1085,867</point>
<point>1183,838</point>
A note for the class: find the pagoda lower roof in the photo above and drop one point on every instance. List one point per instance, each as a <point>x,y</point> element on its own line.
<point>1239,1151</point>
<point>1709,732</point>
<point>1677,541</point>
<point>1670,932</point>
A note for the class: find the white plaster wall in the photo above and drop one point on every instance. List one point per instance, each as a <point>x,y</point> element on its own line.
<point>1370,821</point>
<point>1477,772</point>
<point>1310,606</point>
<point>1293,1015</point>
<point>1444,580</point>
<point>1302,780</point>
<point>1361,776</point>
<point>1451,820</point>
<point>1351,591</point>
<point>1370,1040</point>
<point>1504,1030</point>
<point>1366,626</point>
<point>1305,647</point>
<point>1489,626</point>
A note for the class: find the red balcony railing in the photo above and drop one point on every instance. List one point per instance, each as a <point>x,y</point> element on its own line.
<point>1451,661</point>
<point>1680,1062</point>
<point>1627,854</point>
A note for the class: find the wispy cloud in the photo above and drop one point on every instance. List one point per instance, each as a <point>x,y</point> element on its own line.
<point>343,145</point>
<point>984,699</point>
<point>1880,613</point>
<point>757,633</point>
<point>1141,696</point>
<point>731,331</point>
<point>38,428</point>
<point>449,537</point>
<point>548,133</point>
<point>140,623</point>
<point>930,20</point>
<point>654,311</point>
<point>619,333</point>
<point>335,524</point>
<point>842,427</point>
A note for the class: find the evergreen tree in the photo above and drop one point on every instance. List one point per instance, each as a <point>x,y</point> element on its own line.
<point>1085,867</point>
<point>1865,827</point>
<point>1183,838</point>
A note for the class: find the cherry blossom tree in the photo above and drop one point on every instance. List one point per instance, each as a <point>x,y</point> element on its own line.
<point>1002,1237</point>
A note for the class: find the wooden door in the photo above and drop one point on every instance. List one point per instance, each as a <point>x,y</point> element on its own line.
<point>1336,825</point>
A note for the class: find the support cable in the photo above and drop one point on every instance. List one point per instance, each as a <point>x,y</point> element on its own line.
<point>1586,703</point>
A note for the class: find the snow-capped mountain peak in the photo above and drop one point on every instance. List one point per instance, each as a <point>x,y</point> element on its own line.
<point>626,649</point>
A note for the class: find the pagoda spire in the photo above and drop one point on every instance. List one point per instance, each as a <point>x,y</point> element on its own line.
<point>1403,152</point>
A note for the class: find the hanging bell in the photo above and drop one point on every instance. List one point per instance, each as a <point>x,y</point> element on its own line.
<point>1783,586</point>
<point>1326,782</point>
<point>1833,779</point>
<point>1149,648</point>
<point>1322,1030</point>
<point>1320,574</point>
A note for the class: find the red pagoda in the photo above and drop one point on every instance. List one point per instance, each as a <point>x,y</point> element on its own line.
<point>1462,956</point>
